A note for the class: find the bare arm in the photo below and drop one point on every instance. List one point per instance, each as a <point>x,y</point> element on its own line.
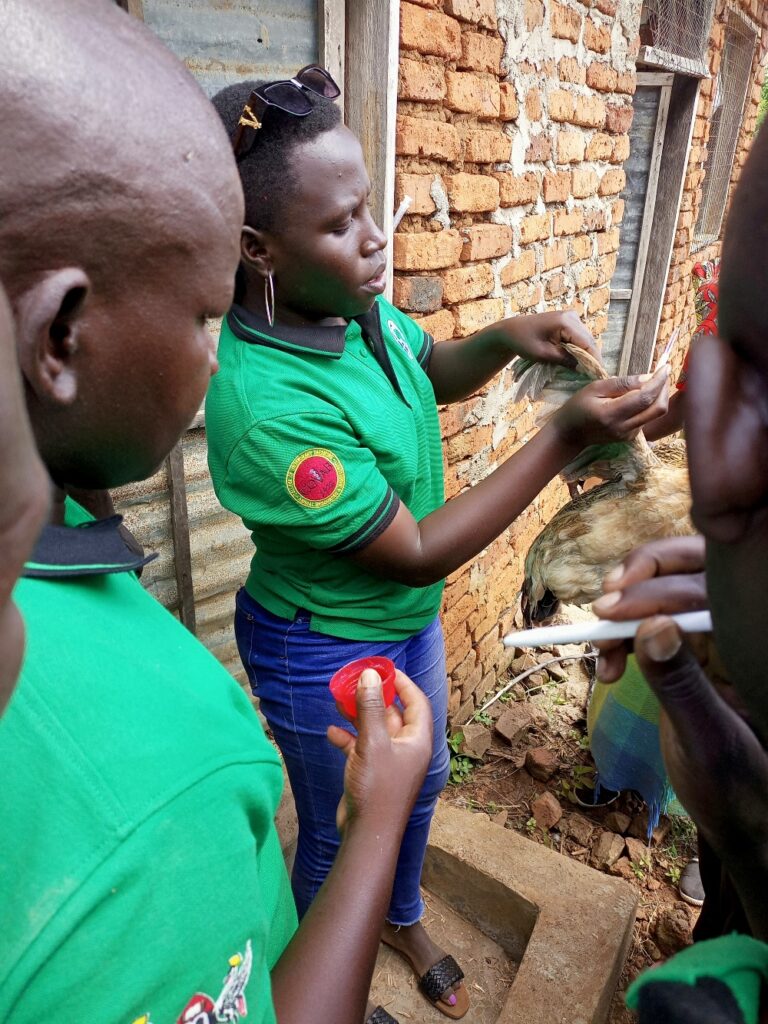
<point>670,422</point>
<point>460,367</point>
<point>420,553</point>
<point>325,972</point>
<point>717,765</point>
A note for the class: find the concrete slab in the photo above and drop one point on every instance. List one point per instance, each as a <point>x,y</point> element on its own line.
<point>542,938</point>
<point>568,926</point>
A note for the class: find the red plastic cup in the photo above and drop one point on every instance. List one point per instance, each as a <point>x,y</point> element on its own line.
<point>343,683</point>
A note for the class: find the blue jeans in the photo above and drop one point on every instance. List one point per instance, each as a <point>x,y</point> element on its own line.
<point>289,667</point>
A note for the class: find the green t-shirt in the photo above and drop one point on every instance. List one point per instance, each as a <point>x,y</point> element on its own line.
<point>140,870</point>
<point>315,435</point>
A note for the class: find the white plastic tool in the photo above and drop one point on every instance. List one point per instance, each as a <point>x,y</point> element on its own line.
<point>600,629</point>
<point>401,212</point>
<point>668,350</point>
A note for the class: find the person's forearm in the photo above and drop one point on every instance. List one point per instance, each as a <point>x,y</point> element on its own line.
<point>670,422</point>
<point>461,367</point>
<point>744,854</point>
<point>461,528</point>
<point>418,554</point>
<point>325,972</point>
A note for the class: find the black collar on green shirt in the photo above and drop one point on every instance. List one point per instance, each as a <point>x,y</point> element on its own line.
<point>250,327</point>
<point>323,341</point>
<point>91,549</point>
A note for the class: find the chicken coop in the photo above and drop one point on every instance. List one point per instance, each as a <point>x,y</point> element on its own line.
<point>555,155</point>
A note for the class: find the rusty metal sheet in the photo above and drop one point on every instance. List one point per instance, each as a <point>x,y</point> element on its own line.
<point>225,41</point>
<point>220,545</point>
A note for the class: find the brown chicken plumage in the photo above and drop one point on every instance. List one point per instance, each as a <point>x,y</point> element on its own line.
<point>646,496</point>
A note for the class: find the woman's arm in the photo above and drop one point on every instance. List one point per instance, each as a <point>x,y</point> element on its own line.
<point>460,367</point>
<point>420,553</point>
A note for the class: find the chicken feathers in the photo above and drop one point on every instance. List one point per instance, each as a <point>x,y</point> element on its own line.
<point>646,496</point>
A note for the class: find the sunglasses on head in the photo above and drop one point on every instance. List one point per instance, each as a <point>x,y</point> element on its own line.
<point>289,95</point>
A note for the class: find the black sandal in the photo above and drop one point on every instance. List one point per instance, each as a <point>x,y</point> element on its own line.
<point>380,1016</point>
<point>441,976</point>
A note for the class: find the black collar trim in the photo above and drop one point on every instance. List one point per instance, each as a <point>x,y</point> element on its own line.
<point>370,328</point>
<point>91,549</point>
<point>250,327</point>
<point>326,341</point>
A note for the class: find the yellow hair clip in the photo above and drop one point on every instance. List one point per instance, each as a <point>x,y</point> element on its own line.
<point>248,119</point>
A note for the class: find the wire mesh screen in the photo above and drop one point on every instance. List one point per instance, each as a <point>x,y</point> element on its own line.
<point>731,89</point>
<point>678,29</point>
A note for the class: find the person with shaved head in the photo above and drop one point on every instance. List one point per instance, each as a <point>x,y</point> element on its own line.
<point>141,876</point>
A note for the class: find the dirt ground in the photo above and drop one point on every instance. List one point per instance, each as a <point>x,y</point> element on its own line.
<point>547,734</point>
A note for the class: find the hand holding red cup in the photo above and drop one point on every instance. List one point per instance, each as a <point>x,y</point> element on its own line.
<point>344,683</point>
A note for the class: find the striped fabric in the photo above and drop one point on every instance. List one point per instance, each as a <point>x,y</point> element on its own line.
<point>623,724</point>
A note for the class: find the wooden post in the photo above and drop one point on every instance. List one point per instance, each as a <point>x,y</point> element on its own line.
<point>331,40</point>
<point>662,81</point>
<point>371,98</point>
<point>134,7</point>
<point>177,491</point>
<point>669,193</point>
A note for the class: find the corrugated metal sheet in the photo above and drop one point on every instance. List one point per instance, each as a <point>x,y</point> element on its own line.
<point>224,41</point>
<point>221,548</point>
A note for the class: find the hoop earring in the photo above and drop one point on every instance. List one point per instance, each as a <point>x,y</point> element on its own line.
<point>269,298</point>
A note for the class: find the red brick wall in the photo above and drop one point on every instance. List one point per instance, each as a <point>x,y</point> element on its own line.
<point>511,135</point>
<point>678,309</point>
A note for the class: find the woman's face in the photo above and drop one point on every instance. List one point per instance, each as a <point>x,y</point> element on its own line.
<point>327,253</point>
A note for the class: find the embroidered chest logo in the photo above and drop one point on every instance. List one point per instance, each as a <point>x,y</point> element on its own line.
<point>315,478</point>
<point>399,337</point>
<point>230,1005</point>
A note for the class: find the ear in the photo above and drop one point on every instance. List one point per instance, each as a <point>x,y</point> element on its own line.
<point>49,317</point>
<point>255,251</point>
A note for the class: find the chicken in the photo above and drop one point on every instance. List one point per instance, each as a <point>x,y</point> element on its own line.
<point>645,496</point>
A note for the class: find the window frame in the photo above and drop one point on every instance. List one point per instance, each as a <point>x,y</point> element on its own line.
<point>658,57</point>
<point>664,82</point>
<point>726,157</point>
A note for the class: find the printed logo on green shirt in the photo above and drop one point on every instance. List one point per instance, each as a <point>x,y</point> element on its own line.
<point>315,478</point>
<point>399,337</point>
<point>230,1005</point>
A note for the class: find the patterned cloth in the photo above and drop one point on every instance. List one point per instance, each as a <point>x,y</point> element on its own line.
<point>623,724</point>
<point>706,277</point>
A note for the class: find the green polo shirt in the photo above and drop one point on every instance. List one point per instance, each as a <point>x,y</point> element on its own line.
<point>315,435</point>
<point>140,870</point>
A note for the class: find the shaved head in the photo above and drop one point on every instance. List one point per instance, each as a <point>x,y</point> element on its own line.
<point>120,218</point>
<point>103,130</point>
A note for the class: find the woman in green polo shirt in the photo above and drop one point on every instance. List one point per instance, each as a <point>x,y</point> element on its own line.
<point>324,437</point>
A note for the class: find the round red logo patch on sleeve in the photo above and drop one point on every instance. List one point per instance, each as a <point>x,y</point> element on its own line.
<point>315,478</point>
